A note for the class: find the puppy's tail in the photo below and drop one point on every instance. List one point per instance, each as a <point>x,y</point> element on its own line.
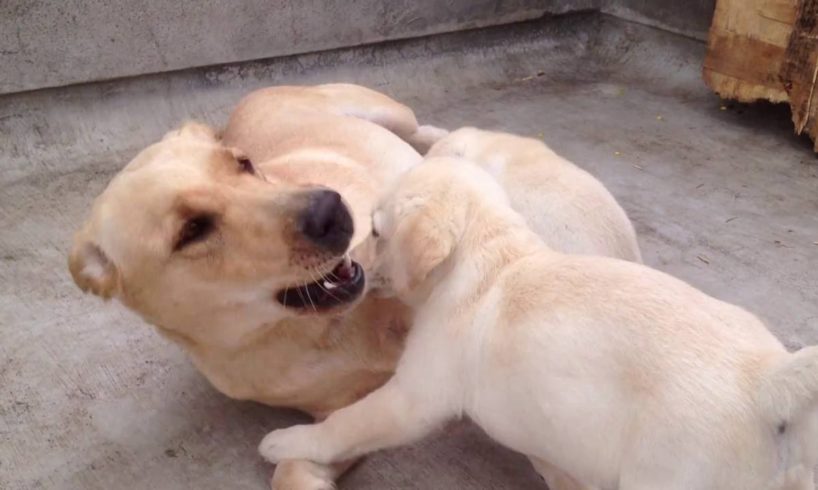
<point>789,387</point>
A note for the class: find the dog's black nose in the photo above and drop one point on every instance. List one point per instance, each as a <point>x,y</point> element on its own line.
<point>326,221</point>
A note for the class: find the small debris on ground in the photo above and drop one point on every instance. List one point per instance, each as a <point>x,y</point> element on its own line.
<point>703,259</point>
<point>530,77</point>
<point>660,118</point>
<point>617,153</point>
<point>170,453</point>
<point>730,219</point>
<point>637,166</point>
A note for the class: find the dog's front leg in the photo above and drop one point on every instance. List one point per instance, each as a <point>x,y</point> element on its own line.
<point>306,475</point>
<point>392,415</point>
<point>556,478</point>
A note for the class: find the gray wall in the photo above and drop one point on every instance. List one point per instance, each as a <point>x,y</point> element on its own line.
<point>47,43</point>
<point>690,17</point>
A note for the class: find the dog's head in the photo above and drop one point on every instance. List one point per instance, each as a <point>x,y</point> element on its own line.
<point>423,221</point>
<point>191,234</point>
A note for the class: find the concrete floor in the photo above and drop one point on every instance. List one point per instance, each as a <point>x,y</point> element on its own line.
<point>92,398</point>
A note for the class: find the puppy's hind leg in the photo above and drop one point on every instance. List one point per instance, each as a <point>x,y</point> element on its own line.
<point>555,478</point>
<point>390,416</point>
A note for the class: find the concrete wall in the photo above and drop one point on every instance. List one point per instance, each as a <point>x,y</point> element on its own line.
<point>46,43</point>
<point>689,17</point>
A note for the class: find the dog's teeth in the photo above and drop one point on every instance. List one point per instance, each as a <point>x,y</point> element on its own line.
<point>329,285</point>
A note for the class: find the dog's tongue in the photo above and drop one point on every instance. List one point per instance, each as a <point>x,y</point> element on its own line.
<point>345,271</point>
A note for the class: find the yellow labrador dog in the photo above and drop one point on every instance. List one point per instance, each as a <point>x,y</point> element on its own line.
<point>237,248</point>
<point>574,210</point>
<point>619,375</point>
<point>250,249</point>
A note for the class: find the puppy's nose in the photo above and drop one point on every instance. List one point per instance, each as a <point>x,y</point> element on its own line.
<point>326,221</point>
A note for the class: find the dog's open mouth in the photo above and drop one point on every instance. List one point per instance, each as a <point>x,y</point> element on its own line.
<point>342,285</point>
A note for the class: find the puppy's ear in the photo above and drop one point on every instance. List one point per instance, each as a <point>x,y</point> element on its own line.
<point>193,129</point>
<point>92,270</point>
<point>425,244</point>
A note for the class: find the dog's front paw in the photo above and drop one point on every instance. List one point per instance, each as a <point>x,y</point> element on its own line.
<point>302,475</point>
<point>299,442</point>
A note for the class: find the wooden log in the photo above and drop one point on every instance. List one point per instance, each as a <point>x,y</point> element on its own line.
<point>746,47</point>
<point>800,67</point>
<point>766,50</point>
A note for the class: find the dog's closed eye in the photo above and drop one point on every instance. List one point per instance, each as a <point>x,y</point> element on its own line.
<point>377,222</point>
<point>246,166</point>
<point>195,230</point>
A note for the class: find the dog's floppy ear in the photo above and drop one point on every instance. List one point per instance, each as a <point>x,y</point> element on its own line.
<point>425,243</point>
<point>91,268</point>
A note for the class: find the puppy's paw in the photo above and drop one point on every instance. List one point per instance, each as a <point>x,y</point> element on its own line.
<point>298,442</point>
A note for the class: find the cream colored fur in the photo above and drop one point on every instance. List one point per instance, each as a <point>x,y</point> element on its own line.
<point>216,299</point>
<point>574,210</point>
<point>608,371</point>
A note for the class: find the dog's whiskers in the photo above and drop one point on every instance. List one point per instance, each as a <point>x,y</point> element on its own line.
<point>300,296</point>
<point>320,282</point>
<point>307,290</point>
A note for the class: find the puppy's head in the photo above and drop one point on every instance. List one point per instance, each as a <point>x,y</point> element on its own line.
<point>422,223</point>
<point>191,235</point>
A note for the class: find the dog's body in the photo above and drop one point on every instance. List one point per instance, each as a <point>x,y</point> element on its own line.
<point>619,375</point>
<point>353,140</point>
<point>314,361</point>
<point>574,210</point>
<point>217,298</point>
<point>219,303</point>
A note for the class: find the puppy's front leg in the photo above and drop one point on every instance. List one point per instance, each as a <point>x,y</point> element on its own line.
<point>394,414</point>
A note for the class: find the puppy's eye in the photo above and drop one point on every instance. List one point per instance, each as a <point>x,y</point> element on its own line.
<point>246,166</point>
<point>195,230</point>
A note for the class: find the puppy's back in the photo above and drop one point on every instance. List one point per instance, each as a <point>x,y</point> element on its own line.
<point>569,208</point>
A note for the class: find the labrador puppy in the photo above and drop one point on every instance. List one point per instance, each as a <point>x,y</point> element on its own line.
<point>618,375</point>
<point>574,210</point>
